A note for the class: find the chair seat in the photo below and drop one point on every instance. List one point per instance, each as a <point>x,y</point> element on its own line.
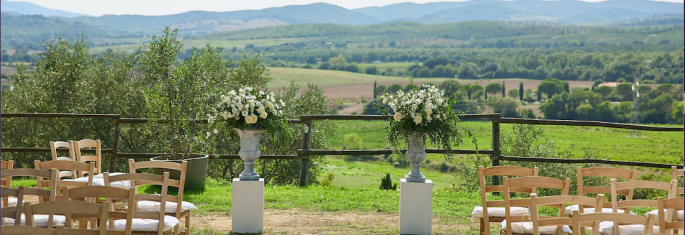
<point>152,206</point>
<point>39,221</point>
<point>64,159</point>
<point>607,228</point>
<point>569,210</point>
<point>496,212</point>
<point>11,202</point>
<point>527,228</point>
<point>99,180</point>
<point>656,214</point>
<point>147,225</point>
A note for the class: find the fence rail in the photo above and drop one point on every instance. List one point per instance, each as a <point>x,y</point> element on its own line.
<point>304,153</point>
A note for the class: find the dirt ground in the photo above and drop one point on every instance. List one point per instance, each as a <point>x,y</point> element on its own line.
<point>307,222</point>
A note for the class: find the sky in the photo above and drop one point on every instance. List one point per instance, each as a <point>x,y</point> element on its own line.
<point>167,7</point>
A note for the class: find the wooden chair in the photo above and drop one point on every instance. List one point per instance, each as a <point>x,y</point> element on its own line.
<point>97,158</point>
<point>54,145</point>
<point>524,185</point>
<point>72,210</point>
<point>668,217</point>
<point>588,219</point>
<point>139,217</point>
<point>539,222</point>
<point>172,201</point>
<point>669,188</point>
<point>7,181</point>
<point>60,230</point>
<point>609,172</point>
<point>109,194</point>
<point>40,175</point>
<point>14,212</point>
<point>489,208</point>
<point>675,174</point>
<point>69,166</point>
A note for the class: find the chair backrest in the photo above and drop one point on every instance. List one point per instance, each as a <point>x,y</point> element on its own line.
<point>608,172</point>
<point>500,171</point>
<point>670,188</point>
<point>60,230</point>
<point>519,184</point>
<point>72,210</point>
<point>15,211</point>
<point>146,179</point>
<point>668,217</point>
<point>675,174</point>
<point>180,183</point>
<point>68,166</point>
<point>97,158</point>
<point>7,181</point>
<point>587,219</point>
<point>41,176</point>
<point>54,145</point>
<point>555,201</point>
<point>110,194</point>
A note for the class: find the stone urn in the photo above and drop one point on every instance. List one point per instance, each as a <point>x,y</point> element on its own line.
<point>416,153</point>
<point>249,152</point>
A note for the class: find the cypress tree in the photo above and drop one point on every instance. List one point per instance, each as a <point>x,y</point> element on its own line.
<point>504,90</point>
<point>374,89</point>
<point>486,95</point>
<point>521,91</point>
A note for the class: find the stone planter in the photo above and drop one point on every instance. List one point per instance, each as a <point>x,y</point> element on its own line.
<point>196,171</point>
<point>416,153</point>
<point>249,152</point>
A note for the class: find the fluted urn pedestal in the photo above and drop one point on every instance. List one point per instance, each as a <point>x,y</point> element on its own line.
<point>416,153</point>
<point>416,193</point>
<point>247,207</point>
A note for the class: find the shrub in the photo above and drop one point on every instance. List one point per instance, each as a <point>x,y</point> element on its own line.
<point>328,181</point>
<point>386,183</point>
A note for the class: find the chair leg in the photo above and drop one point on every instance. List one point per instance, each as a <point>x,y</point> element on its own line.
<point>187,223</point>
<point>482,226</point>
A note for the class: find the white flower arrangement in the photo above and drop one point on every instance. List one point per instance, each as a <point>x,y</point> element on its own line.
<point>247,108</point>
<point>425,110</point>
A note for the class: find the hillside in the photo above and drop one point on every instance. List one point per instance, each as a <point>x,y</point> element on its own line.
<point>36,28</point>
<point>27,8</point>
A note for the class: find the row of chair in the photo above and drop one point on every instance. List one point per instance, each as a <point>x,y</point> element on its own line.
<point>519,212</point>
<point>75,154</point>
<point>142,216</point>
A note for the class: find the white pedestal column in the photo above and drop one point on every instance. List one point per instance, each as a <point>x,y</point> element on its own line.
<point>416,207</point>
<point>247,209</point>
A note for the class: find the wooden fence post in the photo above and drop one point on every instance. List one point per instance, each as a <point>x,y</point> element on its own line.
<point>495,146</point>
<point>306,145</point>
<point>115,146</point>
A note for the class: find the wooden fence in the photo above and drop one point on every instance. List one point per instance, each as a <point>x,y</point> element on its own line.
<point>304,154</point>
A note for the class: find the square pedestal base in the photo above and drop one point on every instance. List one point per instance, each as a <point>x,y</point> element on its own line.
<point>416,207</point>
<point>247,209</point>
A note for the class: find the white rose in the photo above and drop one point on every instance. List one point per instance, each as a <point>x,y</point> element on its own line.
<point>429,118</point>
<point>248,89</point>
<point>263,115</point>
<point>225,115</point>
<point>428,110</point>
<point>418,119</point>
<point>208,134</point>
<point>260,110</point>
<point>216,131</point>
<point>261,92</point>
<point>393,106</point>
<point>241,90</point>
<point>398,117</point>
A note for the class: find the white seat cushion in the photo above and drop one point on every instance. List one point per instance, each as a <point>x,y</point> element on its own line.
<point>147,225</point>
<point>11,201</point>
<point>64,159</point>
<point>607,228</point>
<point>152,206</point>
<point>570,209</point>
<point>496,212</point>
<point>656,214</point>
<point>39,220</point>
<point>527,228</point>
<point>99,180</point>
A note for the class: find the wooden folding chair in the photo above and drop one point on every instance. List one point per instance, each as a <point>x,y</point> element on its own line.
<point>668,217</point>
<point>588,219</point>
<point>497,207</point>
<point>179,212</point>
<point>139,217</point>
<point>539,222</point>
<point>7,181</point>
<point>109,194</point>
<point>69,166</point>
<point>524,184</point>
<point>97,158</point>
<point>608,172</point>
<point>54,145</point>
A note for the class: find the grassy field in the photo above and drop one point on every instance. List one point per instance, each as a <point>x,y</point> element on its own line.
<point>187,44</point>
<point>8,70</point>
<point>658,147</point>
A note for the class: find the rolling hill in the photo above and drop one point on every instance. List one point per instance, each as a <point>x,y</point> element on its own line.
<point>27,8</point>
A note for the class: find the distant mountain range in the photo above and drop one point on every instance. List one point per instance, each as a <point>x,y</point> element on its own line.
<point>614,12</point>
<point>27,8</point>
